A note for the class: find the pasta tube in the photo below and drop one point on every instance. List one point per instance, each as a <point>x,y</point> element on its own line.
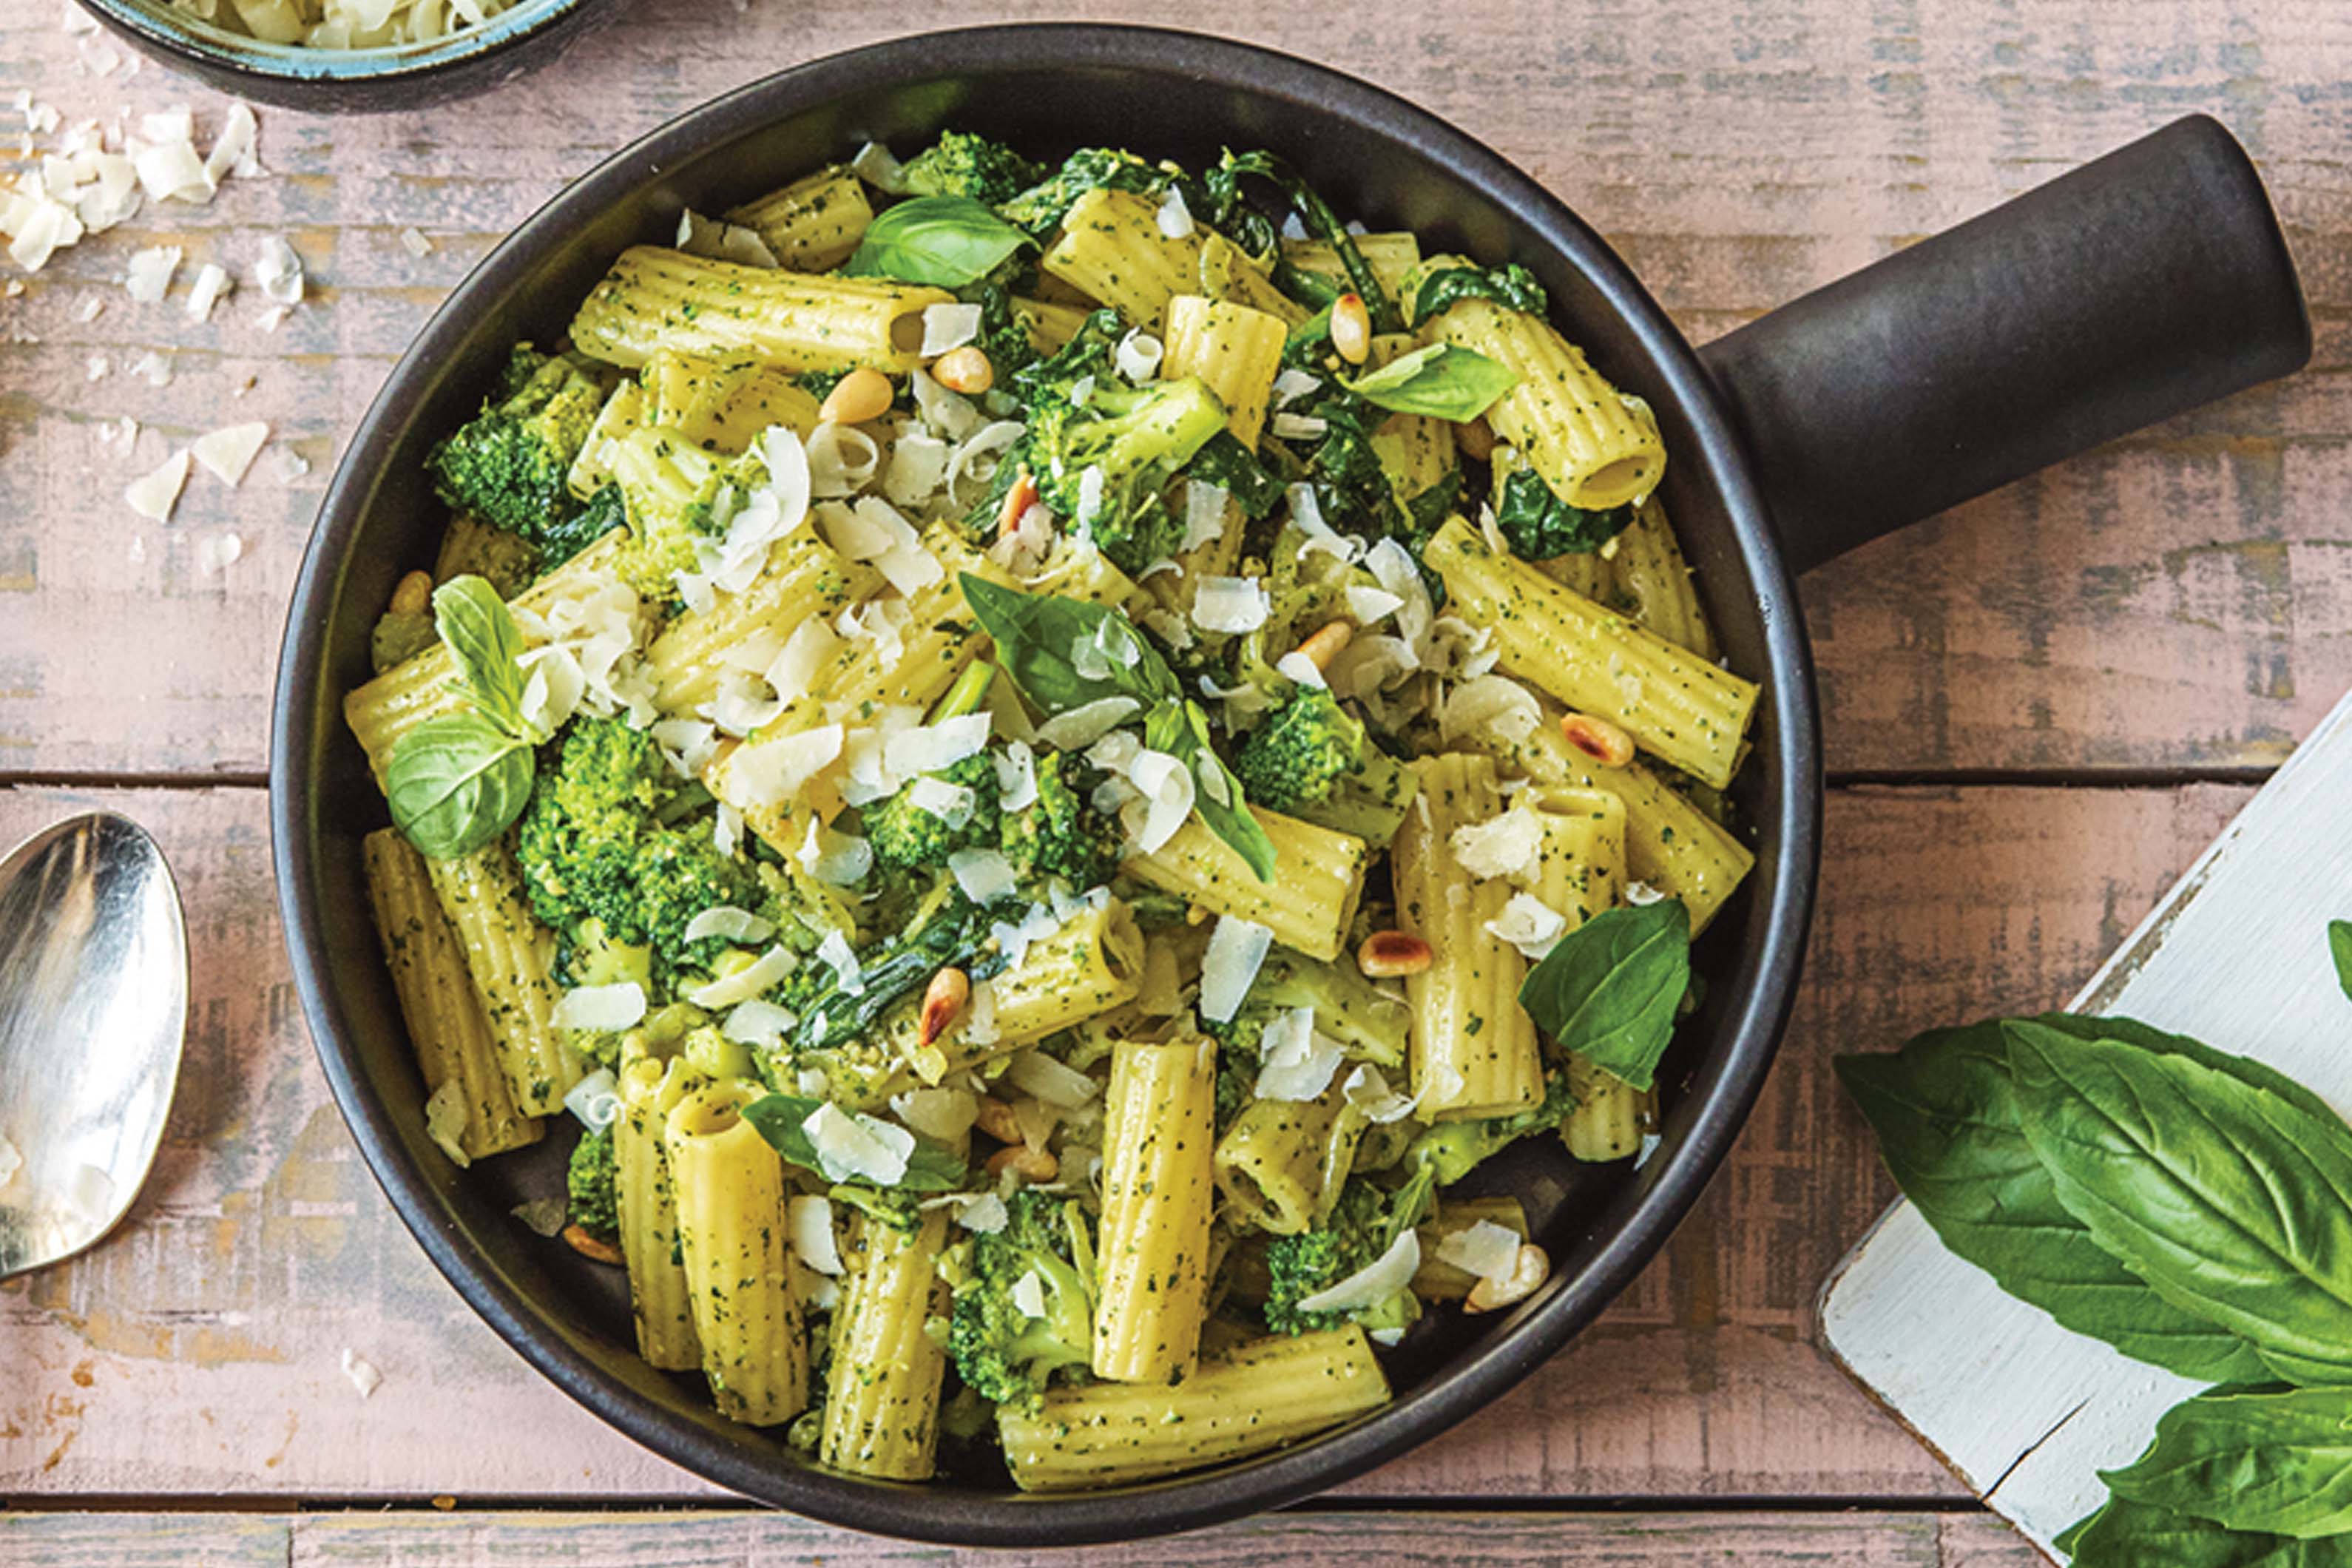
<point>660,1298</point>
<point>1677,706</point>
<point>1264,1395</point>
<point>511,957</point>
<point>1158,1129</point>
<point>1594,446</point>
<point>1319,879</point>
<point>882,1395</point>
<point>813,225</point>
<point>1235,350</point>
<point>1048,323</point>
<point>1581,859</point>
<point>1282,1162</point>
<point>455,1049</point>
<point>725,407</point>
<point>1391,256</point>
<point>1416,452</point>
<point>1112,249</point>
<point>655,299</point>
<point>1650,573</point>
<point>1474,1048</point>
<point>475,548</point>
<point>730,1205</point>
<point>803,577</point>
<point>1610,1114</point>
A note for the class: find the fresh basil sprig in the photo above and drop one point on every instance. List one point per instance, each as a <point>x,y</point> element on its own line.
<point>1610,990</point>
<point>1513,286</point>
<point>1441,381</point>
<point>949,242</point>
<point>456,782</point>
<point>2272,1462</point>
<point>779,1119</point>
<point>1038,637</point>
<point>2340,948</point>
<point>2126,1534</point>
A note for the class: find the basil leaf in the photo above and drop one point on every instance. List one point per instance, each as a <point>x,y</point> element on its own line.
<point>945,241</point>
<point>1233,467</point>
<point>778,1118</point>
<point>2126,1534</point>
<point>1945,1110</point>
<point>482,637</point>
<point>1513,286</point>
<point>455,782</point>
<point>1537,525</point>
<point>2232,1202</point>
<point>2339,944</point>
<point>1610,990</point>
<point>1042,639</point>
<point>2279,1463</point>
<point>1441,381</point>
<point>1182,731</point>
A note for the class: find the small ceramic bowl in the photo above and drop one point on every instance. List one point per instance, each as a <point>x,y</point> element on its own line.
<point>355,82</point>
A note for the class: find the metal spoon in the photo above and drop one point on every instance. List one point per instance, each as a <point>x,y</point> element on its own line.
<point>93,1005</point>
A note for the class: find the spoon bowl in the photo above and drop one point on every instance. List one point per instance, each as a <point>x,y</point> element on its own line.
<point>93,1007</point>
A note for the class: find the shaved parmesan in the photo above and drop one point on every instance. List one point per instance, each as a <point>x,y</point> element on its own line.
<point>212,283</point>
<point>942,1115</point>
<point>216,553</point>
<point>155,371</point>
<point>233,148</point>
<point>1640,893</point>
<point>444,1119</point>
<point>1505,845</point>
<point>603,1008</point>
<point>1175,219</point>
<point>876,167</point>
<point>1090,721</point>
<point>413,240</point>
<point>1016,777</point>
<point>917,467</point>
<point>842,459</point>
<point>834,952</point>
<point>1293,385</point>
<point>983,875</point>
<point>595,1100</point>
<point>774,772</point>
<point>1229,603</point>
<point>362,1371</point>
<point>1369,605</point>
<point>1306,515</point>
<point>148,276</point>
<point>836,859</point>
<point>1029,1295</point>
<point>1530,924</point>
<point>950,803</point>
<point>808,1224</point>
<point>1369,1093</point>
<point>1236,950</point>
<point>1295,1062</point>
<point>1056,1083</point>
<point>1298,426</point>
<point>730,924</point>
<point>756,1022</point>
<point>153,494</point>
<point>1489,1250</point>
<point>754,978</point>
<point>853,1147</point>
<point>171,171</point>
<point>1138,356</point>
<point>1204,513</point>
<point>1300,668</point>
<point>1490,705</point>
<point>1090,495</point>
<point>928,748</point>
<point>948,327</point>
<point>985,1215</point>
<point>1166,787</point>
<point>227,452</point>
<point>277,272</point>
<point>1374,1283</point>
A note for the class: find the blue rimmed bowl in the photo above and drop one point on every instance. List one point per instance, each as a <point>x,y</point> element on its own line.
<point>355,82</point>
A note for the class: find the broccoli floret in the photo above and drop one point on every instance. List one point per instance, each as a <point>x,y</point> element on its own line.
<point>676,496</point>
<point>607,864</point>
<point>1452,1150</point>
<point>1537,525</point>
<point>1313,760</point>
<point>593,1182</point>
<point>1105,462</point>
<point>907,834</point>
<point>962,165</point>
<point>1061,834</point>
<point>1364,1224</point>
<point>1040,209</point>
<point>508,464</point>
<point>1371,1024</point>
<point>999,1349</point>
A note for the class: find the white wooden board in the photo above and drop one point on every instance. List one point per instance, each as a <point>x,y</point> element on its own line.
<point>2236,955</point>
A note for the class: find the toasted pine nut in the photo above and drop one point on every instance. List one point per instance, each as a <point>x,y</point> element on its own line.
<point>1389,953</point>
<point>1597,738</point>
<point>1037,1164</point>
<point>415,595</point>
<point>1475,439</point>
<point>1017,501</point>
<point>1351,328</point>
<point>863,394</point>
<point>942,1002</point>
<point>997,1120</point>
<point>964,369</point>
<point>588,1245</point>
<point>1528,1274</point>
<point>1324,647</point>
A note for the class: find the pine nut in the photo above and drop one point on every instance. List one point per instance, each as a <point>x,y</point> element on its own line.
<point>942,1002</point>
<point>996,1119</point>
<point>1034,1164</point>
<point>1597,738</point>
<point>1351,328</point>
<point>964,369</point>
<point>1324,645</point>
<point>594,1246</point>
<point>1017,502</point>
<point>863,394</point>
<point>415,595</point>
<point>1386,954</point>
<point>1475,439</point>
<point>1532,1267</point>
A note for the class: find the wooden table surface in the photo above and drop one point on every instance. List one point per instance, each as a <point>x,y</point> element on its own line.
<point>2038,709</point>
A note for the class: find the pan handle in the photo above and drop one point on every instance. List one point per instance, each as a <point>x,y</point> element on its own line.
<point>2133,288</point>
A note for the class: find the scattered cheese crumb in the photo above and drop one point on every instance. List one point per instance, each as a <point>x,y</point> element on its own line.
<point>149,276</point>
<point>152,368</point>
<point>153,494</point>
<point>97,367</point>
<point>278,272</point>
<point>211,284</point>
<point>413,241</point>
<point>363,1373</point>
<point>215,554</point>
<point>90,310</point>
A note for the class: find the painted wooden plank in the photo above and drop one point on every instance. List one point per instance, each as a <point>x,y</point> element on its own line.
<point>2182,598</point>
<point>2236,955</point>
<point>724,1540</point>
<point>198,1351</point>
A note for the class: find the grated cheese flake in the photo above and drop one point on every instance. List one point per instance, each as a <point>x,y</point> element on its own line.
<point>148,278</point>
<point>729,923</point>
<point>747,983</point>
<point>212,285</point>
<point>1230,605</point>
<point>603,1008</point>
<point>1489,1250</point>
<point>1236,950</point>
<point>948,327</point>
<point>851,1146</point>
<point>1295,1063</point>
<point>808,1226</point>
<point>227,452</point>
<point>595,1100</point>
<point>153,494</point>
<point>1374,1283</point>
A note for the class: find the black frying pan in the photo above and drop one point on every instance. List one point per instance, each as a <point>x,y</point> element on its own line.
<point>2143,285</point>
